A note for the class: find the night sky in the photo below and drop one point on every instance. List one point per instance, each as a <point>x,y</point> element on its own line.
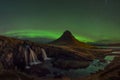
<point>88,20</point>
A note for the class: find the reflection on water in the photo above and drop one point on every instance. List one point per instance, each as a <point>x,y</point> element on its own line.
<point>95,66</point>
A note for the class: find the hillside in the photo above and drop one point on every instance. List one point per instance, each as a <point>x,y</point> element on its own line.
<point>67,39</point>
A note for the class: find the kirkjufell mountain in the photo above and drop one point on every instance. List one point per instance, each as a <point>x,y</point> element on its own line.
<point>68,39</point>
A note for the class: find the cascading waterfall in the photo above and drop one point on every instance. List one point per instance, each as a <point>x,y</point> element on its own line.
<point>33,58</point>
<point>26,60</point>
<point>30,58</point>
<point>44,55</point>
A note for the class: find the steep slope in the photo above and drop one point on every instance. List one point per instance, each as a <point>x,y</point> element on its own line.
<point>67,39</point>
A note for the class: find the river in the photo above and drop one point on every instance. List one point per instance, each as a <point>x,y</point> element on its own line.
<point>95,65</point>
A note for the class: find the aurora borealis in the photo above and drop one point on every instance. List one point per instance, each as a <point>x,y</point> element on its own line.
<point>88,20</point>
<point>38,33</point>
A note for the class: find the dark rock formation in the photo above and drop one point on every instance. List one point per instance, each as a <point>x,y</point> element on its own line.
<point>67,39</point>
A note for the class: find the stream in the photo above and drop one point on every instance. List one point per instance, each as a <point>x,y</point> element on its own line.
<point>95,66</point>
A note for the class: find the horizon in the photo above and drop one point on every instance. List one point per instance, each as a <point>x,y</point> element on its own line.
<point>30,34</point>
<point>93,20</point>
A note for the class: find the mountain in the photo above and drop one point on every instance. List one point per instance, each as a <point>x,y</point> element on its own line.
<point>69,42</point>
<point>67,39</point>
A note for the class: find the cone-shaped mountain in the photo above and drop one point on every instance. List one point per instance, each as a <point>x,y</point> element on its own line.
<point>68,39</point>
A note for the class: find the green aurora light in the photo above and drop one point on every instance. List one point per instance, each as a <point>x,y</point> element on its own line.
<point>89,20</point>
<point>41,34</point>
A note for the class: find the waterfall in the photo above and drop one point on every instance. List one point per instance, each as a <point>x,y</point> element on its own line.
<point>33,58</point>
<point>30,58</point>
<point>44,55</point>
<point>26,60</point>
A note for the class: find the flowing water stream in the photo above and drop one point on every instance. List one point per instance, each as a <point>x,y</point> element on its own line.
<point>44,55</point>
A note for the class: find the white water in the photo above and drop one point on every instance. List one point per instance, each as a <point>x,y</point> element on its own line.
<point>44,55</point>
<point>33,58</point>
<point>26,60</point>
